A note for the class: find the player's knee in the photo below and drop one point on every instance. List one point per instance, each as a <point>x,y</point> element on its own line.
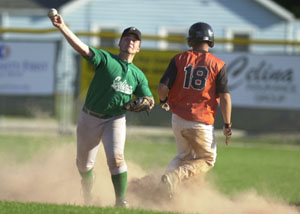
<point>117,162</point>
<point>210,159</point>
<point>83,167</point>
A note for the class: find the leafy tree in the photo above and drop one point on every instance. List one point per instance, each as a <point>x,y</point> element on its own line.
<point>292,5</point>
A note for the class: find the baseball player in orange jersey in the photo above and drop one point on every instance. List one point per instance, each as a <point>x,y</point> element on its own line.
<point>192,87</point>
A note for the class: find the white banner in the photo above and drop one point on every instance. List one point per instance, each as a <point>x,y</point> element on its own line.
<point>267,81</point>
<point>27,68</point>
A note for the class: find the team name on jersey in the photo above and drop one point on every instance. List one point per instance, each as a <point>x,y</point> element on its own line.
<point>120,86</point>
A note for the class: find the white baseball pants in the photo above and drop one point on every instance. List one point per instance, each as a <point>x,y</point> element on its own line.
<point>196,148</point>
<point>90,131</point>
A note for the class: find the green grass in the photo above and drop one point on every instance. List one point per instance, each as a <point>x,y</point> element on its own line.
<point>150,155</point>
<point>269,140</point>
<point>270,171</point>
<point>259,163</point>
<point>267,168</point>
<point>39,208</point>
<point>21,148</point>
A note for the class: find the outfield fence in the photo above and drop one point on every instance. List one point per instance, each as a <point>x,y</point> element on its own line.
<point>267,101</point>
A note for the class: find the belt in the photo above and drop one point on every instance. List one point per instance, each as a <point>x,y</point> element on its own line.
<point>95,114</point>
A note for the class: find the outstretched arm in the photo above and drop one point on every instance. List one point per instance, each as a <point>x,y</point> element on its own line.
<point>72,39</point>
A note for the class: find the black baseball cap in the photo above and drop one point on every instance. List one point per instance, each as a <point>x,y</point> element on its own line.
<point>132,30</point>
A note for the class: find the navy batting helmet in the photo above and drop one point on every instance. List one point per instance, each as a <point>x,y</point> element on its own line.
<point>201,31</point>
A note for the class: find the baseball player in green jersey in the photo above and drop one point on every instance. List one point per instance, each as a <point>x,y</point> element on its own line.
<point>115,82</point>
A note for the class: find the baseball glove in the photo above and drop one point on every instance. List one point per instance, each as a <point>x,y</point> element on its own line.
<point>139,104</point>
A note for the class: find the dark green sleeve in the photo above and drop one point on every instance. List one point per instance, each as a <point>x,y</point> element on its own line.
<point>97,59</point>
<point>142,88</point>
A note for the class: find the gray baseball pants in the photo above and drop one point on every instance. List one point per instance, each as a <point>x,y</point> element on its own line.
<point>90,131</point>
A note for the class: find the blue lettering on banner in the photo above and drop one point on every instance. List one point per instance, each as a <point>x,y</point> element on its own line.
<point>4,51</point>
<point>35,66</point>
<point>261,77</point>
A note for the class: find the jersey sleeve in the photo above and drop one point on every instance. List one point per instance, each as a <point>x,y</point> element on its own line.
<point>97,59</point>
<point>170,74</point>
<point>142,88</point>
<point>222,81</point>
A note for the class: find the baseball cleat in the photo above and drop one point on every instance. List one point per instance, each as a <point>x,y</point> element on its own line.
<point>168,186</point>
<point>121,204</point>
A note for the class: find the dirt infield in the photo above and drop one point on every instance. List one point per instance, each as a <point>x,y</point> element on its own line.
<point>37,180</point>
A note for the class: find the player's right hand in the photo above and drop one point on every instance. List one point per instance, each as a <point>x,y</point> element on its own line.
<point>57,20</point>
<point>227,132</point>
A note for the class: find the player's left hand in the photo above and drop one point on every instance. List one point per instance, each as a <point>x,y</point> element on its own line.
<point>227,132</point>
<point>164,104</point>
<point>140,104</point>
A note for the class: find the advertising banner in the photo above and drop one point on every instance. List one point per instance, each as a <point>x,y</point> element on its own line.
<point>269,81</point>
<point>255,81</point>
<point>27,68</point>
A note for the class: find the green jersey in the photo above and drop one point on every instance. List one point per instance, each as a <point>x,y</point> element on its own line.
<point>114,83</point>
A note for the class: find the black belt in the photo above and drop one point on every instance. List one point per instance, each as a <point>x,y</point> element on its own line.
<point>95,114</point>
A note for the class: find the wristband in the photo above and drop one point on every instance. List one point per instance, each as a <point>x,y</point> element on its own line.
<point>227,125</point>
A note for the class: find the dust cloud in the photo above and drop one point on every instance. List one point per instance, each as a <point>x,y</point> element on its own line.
<point>52,177</point>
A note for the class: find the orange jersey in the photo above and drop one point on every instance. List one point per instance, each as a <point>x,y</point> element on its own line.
<point>193,96</point>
